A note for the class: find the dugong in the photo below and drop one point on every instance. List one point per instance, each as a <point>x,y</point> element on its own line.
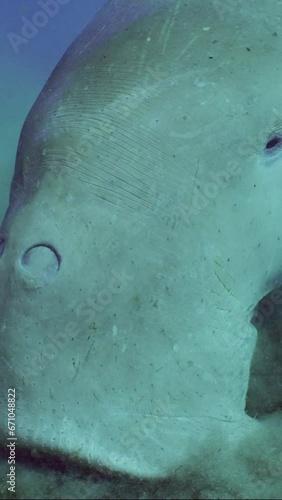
<point>142,230</point>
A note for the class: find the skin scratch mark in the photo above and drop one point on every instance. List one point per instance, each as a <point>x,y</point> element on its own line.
<point>194,182</point>
<point>219,263</point>
<point>165,34</point>
<point>88,352</point>
<point>76,372</point>
<point>80,364</point>
<point>223,284</point>
<point>183,52</point>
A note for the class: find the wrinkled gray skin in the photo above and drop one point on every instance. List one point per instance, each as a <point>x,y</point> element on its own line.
<point>143,228</point>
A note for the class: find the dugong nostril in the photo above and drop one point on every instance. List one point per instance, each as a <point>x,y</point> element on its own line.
<point>274,143</point>
<point>42,263</point>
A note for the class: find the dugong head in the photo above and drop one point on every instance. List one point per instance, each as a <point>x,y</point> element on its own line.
<point>142,230</point>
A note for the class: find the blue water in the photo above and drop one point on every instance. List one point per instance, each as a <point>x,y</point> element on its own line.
<point>26,63</point>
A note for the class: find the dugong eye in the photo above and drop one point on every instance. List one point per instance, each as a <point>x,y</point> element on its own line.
<point>273,148</point>
<point>274,143</point>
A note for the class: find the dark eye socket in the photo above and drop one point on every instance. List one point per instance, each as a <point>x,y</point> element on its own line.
<point>274,142</point>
